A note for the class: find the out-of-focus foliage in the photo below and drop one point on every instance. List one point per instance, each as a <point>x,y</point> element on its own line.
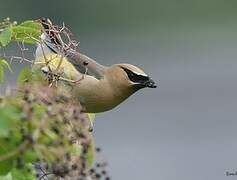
<point>3,65</point>
<point>40,124</point>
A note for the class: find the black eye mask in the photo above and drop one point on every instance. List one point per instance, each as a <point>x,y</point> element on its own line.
<point>136,78</point>
<point>140,80</point>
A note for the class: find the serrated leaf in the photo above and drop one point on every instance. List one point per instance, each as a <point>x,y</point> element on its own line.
<point>27,32</point>
<point>5,36</point>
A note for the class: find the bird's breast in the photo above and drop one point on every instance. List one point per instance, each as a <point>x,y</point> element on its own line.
<point>98,96</point>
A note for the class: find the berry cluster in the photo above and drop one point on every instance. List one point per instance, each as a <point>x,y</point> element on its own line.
<point>49,130</point>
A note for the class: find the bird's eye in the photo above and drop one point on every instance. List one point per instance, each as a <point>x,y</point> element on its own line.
<point>135,77</point>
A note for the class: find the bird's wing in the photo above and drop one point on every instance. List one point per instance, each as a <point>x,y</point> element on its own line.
<point>86,65</point>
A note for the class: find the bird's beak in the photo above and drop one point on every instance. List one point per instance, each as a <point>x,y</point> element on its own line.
<point>150,83</point>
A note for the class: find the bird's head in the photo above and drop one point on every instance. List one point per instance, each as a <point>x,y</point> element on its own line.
<point>132,76</point>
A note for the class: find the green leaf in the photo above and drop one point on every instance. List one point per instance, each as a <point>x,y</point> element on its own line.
<point>5,147</point>
<point>27,32</point>
<point>5,36</point>
<point>39,110</point>
<point>8,143</point>
<point>30,156</point>
<point>7,177</point>
<point>31,24</point>
<point>9,115</point>
<point>5,167</point>
<point>25,173</point>
<point>24,76</point>
<point>5,64</point>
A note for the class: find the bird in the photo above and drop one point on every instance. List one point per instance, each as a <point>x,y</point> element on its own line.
<point>100,88</point>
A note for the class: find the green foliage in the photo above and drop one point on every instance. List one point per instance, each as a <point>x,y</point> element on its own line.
<point>39,123</point>
<point>6,177</point>
<point>3,65</point>
<point>9,116</point>
<point>27,32</point>
<point>5,36</point>
<point>24,76</point>
<point>8,143</point>
<point>25,173</point>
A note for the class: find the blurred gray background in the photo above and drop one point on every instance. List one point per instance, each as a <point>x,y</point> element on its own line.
<point>186,128</point>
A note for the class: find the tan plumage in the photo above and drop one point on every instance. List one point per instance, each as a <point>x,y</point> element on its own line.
<point>102,87</point>
<point>106,93</point>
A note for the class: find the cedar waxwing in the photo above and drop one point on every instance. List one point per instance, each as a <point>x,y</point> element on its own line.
<point>99,88</point>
